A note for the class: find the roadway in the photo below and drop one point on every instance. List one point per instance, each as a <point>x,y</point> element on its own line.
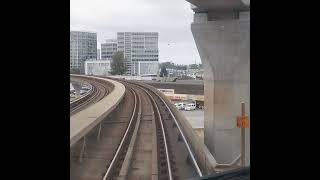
<point>194,87</point>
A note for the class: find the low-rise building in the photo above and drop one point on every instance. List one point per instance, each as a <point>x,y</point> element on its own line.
<point>98,67</point>
<point>146,67</point>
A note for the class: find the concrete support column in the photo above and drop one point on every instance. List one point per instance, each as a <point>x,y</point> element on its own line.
<point>223,42</point>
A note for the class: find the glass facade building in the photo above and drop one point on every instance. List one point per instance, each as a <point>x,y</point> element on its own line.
<point>83,46</point>
<point>109,48</point>
<point>140,51</point>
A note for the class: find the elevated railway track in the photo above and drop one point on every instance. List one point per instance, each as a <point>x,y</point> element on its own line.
<point>140,139</point>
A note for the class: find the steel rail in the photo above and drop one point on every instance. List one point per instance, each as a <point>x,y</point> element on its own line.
<point>163,134</point>
<point>182,134</point>
<point>113,162</point>
<point>95,92</point>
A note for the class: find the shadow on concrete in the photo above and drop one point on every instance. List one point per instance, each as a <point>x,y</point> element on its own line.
<point>236,174</point>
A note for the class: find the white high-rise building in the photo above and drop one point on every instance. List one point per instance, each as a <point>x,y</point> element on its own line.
<point>108,49</point>
<point>98,54</point>
<point>83,46</point>
<point>140,51</point>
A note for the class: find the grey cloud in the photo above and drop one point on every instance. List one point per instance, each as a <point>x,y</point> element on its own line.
<point>171,18</point>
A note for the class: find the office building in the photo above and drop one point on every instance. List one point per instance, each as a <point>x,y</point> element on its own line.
<point>108,49</point>
<point>140,51</point>
<point>98,54</point>
<point>83,46</point>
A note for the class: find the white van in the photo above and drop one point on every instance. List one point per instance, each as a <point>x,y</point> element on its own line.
<point>190,107</point>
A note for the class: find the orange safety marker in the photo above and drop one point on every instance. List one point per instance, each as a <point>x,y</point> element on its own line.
<point>242,121</point>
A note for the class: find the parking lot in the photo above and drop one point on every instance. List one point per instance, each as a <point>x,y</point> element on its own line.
<point>196,119</point>
<point>83,90</point>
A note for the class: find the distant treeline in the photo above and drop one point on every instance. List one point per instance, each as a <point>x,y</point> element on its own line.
<point>171,65</point>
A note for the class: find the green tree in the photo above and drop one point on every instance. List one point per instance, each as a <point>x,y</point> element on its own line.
<point>193,66</point>
<point>181,67</point>
<point>118,66</point>
<point>163,72</point>
<point>168,65</point>
<point>74,71</point>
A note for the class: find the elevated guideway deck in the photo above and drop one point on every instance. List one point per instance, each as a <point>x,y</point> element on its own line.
<point>82,122</point>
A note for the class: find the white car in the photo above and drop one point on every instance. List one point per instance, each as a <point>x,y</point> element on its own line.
<point>180,106</point>
<point>190,107</point>
<point>82,92</point>
<point>85,88</point>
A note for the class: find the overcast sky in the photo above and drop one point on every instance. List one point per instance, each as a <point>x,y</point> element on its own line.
<point>171,18</point>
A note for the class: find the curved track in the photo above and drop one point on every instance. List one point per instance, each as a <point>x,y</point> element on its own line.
<point>97,92</point>
<point>142,154</point>
<point>149,143</point>
<point>152,150</point>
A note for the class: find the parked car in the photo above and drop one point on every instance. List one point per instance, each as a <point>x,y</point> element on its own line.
<point>177,106</point>
<point>180,106</point>
<point>82,92</point>
<point>190,107</point>
<point>85,88</point>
